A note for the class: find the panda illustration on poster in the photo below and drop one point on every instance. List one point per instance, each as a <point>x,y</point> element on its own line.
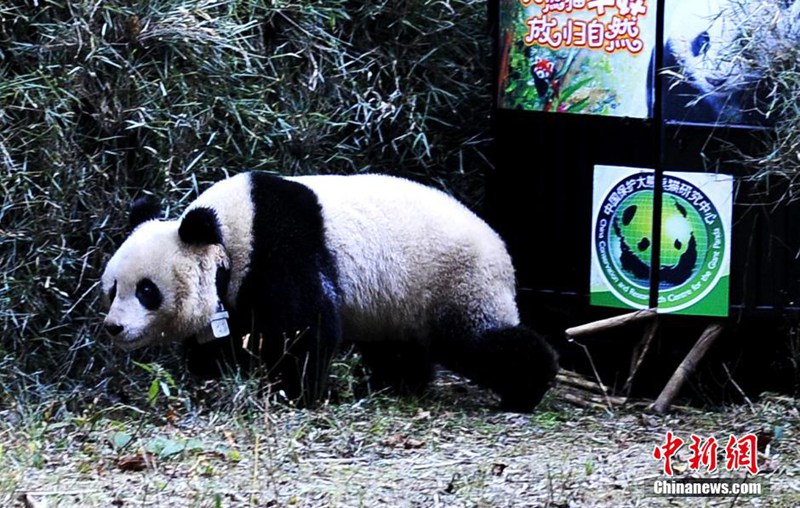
<point>694,253</point>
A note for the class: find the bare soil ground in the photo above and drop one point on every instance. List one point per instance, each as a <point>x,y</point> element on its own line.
<point>450,448</point>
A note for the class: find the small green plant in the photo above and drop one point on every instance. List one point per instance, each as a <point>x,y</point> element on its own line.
<point>548,419</point>
<point>347,377</point>
<point>162,382</point>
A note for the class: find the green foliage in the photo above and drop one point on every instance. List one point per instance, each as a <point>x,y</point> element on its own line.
<point>120,440</point>
<point>517,95</point>
<point>162,382</point>
<point>101,100</point>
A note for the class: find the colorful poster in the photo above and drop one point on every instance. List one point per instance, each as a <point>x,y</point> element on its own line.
<point>695,240</point>
<point>576,56</point>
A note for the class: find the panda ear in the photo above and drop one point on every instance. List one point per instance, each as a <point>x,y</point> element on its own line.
<point>200,226</point>
<point>143,209</point>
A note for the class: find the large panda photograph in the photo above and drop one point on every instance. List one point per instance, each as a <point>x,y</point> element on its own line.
<point>723,59</point>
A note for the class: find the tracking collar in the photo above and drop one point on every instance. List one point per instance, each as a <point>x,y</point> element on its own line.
<point>219,319</point>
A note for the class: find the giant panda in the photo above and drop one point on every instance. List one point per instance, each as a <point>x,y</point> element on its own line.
<point>277,272</point>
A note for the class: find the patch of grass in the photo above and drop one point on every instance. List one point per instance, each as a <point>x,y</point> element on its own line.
<point>549,419</point>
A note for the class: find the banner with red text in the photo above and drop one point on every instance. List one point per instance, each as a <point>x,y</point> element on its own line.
<point>577,56</point>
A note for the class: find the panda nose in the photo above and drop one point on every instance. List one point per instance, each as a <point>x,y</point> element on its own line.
<point>114,329</point>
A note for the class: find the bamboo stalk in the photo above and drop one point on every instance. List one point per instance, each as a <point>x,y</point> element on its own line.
<point>583,392</point>
<point>687,367</point>
<point>578,401</point>
<point>574,379</point>
<point>610,323</point>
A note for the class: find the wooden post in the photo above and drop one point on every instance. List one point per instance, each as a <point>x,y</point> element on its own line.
<point>687,367</point>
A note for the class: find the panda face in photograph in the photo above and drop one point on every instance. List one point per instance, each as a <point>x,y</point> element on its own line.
<point>159,288</point>
<point>700,43</point>
<point>701,38</point>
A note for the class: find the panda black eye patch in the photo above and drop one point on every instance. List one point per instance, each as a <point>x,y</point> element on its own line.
<point>148,294</point>
<point>700,44</point>
<point>112,293</point>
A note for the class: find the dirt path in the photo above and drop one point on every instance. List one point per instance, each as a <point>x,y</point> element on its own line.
<point>445,450</point>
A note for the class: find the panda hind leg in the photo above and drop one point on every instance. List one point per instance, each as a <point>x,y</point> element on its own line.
<point>515,362</point>
<point>402,367</point>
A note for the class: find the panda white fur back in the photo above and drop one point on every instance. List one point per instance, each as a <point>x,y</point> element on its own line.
<point>402,270</point>
<point>404,250</point>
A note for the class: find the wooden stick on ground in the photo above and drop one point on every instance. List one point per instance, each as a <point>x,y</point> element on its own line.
<point>580,391</point>
<point>609,323</point>
<point>687,367</point>
<point>574,379</point>
<point>585,399</point>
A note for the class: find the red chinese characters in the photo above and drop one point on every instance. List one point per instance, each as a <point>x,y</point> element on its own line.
<point>703,453</point>
<point>741,454</point>
<point>666,451</point>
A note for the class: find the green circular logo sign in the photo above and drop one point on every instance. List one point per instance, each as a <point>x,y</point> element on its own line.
<point>692,242</point>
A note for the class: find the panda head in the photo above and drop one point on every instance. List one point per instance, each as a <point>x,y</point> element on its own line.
<point>162,283</point>
<point>700,46</point>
